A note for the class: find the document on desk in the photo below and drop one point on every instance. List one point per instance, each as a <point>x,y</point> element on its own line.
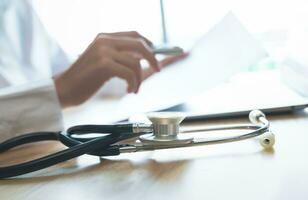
<point>224,51</point>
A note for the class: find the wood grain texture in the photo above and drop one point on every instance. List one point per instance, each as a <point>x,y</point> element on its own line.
<point>241,170</point>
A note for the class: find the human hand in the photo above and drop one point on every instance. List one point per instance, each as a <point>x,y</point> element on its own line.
<point>109,55</point>
<point>146,73</point>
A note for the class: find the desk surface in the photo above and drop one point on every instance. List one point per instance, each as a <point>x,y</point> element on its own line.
<point>235,171</point>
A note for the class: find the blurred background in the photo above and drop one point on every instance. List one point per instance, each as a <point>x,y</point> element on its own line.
<point>74,23</point>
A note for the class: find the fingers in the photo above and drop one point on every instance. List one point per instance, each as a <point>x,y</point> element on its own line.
<point>126,60</point>
<point>140,47</point>
<point>119,70</point>
<point>132,45</point>
<point>129,61</point>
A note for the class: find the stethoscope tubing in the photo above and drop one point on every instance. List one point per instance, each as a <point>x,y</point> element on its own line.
<point>97,144</point>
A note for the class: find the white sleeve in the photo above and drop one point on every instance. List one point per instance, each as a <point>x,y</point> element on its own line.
<point>30,107</point>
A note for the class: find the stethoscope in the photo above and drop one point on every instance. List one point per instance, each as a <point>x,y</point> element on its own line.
<point>163,133</point>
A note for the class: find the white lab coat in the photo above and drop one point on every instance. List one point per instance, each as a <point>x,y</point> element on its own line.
<point>28,59</point>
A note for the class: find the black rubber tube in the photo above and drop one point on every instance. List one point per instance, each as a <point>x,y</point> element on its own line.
<point>98,146</point>
<point>52,159</point>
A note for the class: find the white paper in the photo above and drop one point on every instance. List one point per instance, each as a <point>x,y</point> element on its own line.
<point>295,66</point>
<point>294,74</point>
<point>224,51</point>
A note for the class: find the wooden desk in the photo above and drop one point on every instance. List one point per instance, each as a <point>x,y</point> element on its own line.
<point>230,171</point>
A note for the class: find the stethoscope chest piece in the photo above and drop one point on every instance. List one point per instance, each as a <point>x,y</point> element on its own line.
<point>166,129</point>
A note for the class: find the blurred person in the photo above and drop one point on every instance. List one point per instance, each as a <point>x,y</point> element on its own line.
<point>37,80</point>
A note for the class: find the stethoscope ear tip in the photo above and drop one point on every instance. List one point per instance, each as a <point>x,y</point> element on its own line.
<point>255,115</point>
<point>267,140</point>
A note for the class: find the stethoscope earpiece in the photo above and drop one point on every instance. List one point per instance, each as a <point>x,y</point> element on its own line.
<point>267,140</point>
<point>255,116</point>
